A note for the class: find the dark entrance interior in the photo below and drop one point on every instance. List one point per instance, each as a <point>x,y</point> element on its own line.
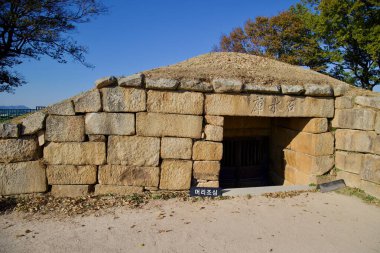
<point>245,162</point>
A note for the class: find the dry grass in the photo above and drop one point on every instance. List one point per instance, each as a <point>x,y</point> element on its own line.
<point>248,68</point>
<point>359,194</point>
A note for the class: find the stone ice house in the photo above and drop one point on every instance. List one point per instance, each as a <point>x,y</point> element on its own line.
<point>220,119</point>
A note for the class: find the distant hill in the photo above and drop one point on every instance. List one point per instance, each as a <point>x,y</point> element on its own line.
<point>13,107</point>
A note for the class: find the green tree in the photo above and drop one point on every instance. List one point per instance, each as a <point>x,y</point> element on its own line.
<point>35,28</point>
<point>336,37</point>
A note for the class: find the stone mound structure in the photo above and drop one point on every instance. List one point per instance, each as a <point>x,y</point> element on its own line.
<point>220,119</point>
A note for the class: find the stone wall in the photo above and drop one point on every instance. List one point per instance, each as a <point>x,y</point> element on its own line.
<point>357,129</point>
<point>132,134</point>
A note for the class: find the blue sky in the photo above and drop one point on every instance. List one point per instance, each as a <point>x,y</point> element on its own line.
<point>137,35</point>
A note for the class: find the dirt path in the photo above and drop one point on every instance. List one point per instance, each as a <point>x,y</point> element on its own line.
<point>313,222</point>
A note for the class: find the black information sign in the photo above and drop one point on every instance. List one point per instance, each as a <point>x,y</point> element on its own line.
<point>205,192</point>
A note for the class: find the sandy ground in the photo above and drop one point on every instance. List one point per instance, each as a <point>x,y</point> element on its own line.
<point>313,222</point>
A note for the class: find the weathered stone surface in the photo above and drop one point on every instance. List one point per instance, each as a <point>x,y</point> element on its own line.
<point>41,138</point>
<point>370,188</point>
<point>97,138</point>
<point>355,140</point>
<point>351,179</point>
<point>176,175</point>
<point>257,88</point>
<point>214,120</point>
<point>371,169</point>
<point>121,99</point>
<point>101,189</point>
<point>75,153</point>
<point>211,184</point>
<point>226,85</point>
<point>70,190</point>
<point>71,174</point>
<point>158,124</point>
<point>314,125</point>
<point>133,150</point>
<point>105,82</point>
<point>368,101</point>
<point>18,150</point>
<point>33,123</point>
<point>110,123</point>
<point>176,148</point>
<point>175,102</point>
<point>377,123</point>
<point>363,119</point>
<point>195,85</point>
<point>134,80</point>
<point>345,102</point>
<point>88,102</point>
<point>161,83</point>
<point>63,108</point>
<point>129,175</point>
<point>340,89</point>
<point>313,144</point>
<point>23,177</point>
<point>348,161</point>
<point>64,128</point>
<point>316,165</point>
<point>8,130</point>
<point>214,133</point>
<point>206,170</point>
<point>320,90</point>
<point>292,89</point>
<point>207,151</point>
<point>295,176</point>
<point>268,105</point>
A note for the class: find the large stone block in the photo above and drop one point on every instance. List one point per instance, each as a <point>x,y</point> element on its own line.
<point>33,123</point>
<point>75,153</point>
<point>207,151</point>
<point>363,119</point>
<point>227,85</point>
<point>105,82</point>
<point>314,125</point>
<point>176,148</point>
<point>175,102</point>
<point>23,177</point>
<point>371,168</point>
<point>64,128</point>
<point>8,130</point>
<point>373,102</point>
<point>18,150</point>
<point>313,144</point>
<point>71,174</point>
<point>295,176</point>
<point>101,189</point>
<point>268,105</point>
<point>348,161</point>
<point>206,170</point>
<point>129,175</point>
<point>134,80</point>
<point>110,123</point>
<point>176,125</point>
<point>119,99</point>
<point>88,102</point>
<point>72,191</point>
<point>258,88</point>
<point>355,140</point>
<point>195,85</point>
<point>292,89</point>
<point>175,175</point>
<point>345,102</point>
<point>320,90</point>
<point>377,123</point>
<point>65,107</point>
<point>133,150</point>
<point>351,179</point>
<point>316,165</point>
<point>161,83</point>
<point>210,184</point>
<point>214,133</point>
